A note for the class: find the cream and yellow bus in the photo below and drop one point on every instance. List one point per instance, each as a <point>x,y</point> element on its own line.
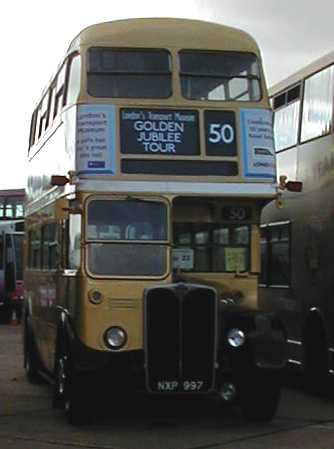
<point>151,157</point>
<point>297,277</point>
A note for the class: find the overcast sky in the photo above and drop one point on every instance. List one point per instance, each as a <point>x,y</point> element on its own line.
<point>35,35</point>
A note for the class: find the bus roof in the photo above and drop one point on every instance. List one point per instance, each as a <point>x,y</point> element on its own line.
<point>12,193</point>
<point>165,32</point>
<point>306,71</point>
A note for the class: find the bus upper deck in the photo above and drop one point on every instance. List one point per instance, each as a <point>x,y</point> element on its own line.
<point>184,110</point>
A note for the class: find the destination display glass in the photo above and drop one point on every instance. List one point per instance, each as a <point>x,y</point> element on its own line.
<point>159,132</point>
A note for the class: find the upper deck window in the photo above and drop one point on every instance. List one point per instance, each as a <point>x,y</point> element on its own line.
<point>286,117</point>
<point>318,102</point>
<point>129,73</point>
<point>220,76</point>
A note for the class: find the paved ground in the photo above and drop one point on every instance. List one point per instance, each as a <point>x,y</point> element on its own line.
<point>28,422</point>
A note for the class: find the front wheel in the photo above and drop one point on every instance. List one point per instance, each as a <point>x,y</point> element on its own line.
<point>315,362</point>
<point>71,390</point>
<point>78,407</point>
<point>260,396</point>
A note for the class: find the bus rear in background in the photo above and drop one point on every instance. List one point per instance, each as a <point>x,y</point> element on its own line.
<point>297,240</point>
<point>11,273</point>
<point>12,204</point>
<point>151,157</point>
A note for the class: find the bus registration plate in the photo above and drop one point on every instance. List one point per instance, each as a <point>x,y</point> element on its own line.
<point>176,386</point>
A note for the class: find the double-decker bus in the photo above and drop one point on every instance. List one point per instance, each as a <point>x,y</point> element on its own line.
<point>11,272</point>
<point>297,245</point>
<point>12,204</point>
<point>151,157</point>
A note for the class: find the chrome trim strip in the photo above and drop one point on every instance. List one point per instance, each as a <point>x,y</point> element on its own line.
<point>294,342</point>
<point>232,189</point>
<point>294,362</point>
<point>278,223</point>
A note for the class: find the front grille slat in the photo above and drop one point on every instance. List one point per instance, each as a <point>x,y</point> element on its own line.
<point>199,336</point>
<point>162,324</point>
<point>180,338</point>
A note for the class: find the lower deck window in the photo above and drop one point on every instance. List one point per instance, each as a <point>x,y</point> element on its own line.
<point>211,247</point>
<point>275,254</point>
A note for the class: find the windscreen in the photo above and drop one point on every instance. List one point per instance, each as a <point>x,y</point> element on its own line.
<point>220,76</point>
<point>127,237</point>
<point>129,73</point>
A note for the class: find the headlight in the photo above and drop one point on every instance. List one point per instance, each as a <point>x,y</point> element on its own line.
<point>95,296</point>
<point>236,338</point>
<point>115,337</point>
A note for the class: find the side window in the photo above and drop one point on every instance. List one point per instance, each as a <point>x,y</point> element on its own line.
<point>45,246</point>
<point>1,251</point>
<point>318,104</point>
<point>53,110</point>
<point>275,255</point>
<point>39,122</point>
<point>286,118</point>
<point>53,246</point>
<point>34,248</point>
<point>74,78</point>
<point>33,129</point>
<point>74,240</point>
<point>44,114</point>
<point>60,89</point>
<point>264,255</point>
<point>50,246</point>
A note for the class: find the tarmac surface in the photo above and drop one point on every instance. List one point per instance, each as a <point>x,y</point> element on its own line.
<point>27,420</point>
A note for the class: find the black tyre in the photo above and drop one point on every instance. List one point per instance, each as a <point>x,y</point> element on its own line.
<point>31,360</point>
<point>259,397</point>
<point>61,379</point>
<point>71,389</point>
<point>315,361</point>
<point>78,407</point>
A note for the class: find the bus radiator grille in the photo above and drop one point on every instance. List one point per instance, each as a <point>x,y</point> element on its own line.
<point>180,338</point>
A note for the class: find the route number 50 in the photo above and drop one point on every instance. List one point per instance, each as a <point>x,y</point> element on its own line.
<point>221,133</point>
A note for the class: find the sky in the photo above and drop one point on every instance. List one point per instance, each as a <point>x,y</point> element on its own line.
<point>35,36</point>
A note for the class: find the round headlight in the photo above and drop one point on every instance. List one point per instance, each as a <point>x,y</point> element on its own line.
<point>115,337</point>
<point>236,338</point>
<point>95,296</point>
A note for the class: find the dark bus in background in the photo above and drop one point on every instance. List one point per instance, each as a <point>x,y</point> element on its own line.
<point>297,243</point>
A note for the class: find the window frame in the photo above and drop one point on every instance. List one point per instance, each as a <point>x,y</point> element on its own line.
<point>267,282</point>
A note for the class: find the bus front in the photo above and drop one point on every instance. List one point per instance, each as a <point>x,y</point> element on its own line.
<point>174,162</point>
